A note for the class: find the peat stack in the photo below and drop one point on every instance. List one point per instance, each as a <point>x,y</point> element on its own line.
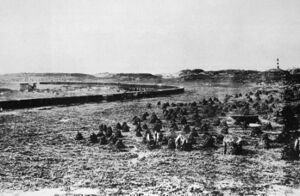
<point>103,140</point>
<point>153,118</point>
<point>208,141</point>
<point>149,105</point>
<point>118,134</point>
<point>171,144</point>
<point>125,127</point>
<point>186,146</point>
<point>118,126</point>
<point>79,136</point>
<point>144,116</point>
<point>103,127</point>
<point>138,134</point>
<point>93,138</point>
<point>145,126</point>
<point>233,145</point>
<point>151,144</point>
<point>157,127</point>
<point>136,120</point>
<point>138,128</point>
<point>119,144</point>
<point>108,132</point>
<point>100,133</point>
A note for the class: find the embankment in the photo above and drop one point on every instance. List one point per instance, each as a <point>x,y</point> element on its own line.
<point>137,91</point>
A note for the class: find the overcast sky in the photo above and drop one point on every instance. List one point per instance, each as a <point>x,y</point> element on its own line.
<point>156,36</point>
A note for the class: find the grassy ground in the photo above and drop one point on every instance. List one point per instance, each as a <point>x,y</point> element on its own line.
<point>38,151</point>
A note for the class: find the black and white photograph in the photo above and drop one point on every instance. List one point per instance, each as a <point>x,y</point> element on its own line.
<point>149,97</point>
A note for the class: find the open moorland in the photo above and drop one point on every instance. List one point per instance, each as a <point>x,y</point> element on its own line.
<point>64,149</point>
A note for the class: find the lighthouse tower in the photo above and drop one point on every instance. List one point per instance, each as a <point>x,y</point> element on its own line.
<point>277,63</point>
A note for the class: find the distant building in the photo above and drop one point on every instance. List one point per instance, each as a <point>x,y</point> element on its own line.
<point>274,75</point>
<point>27,87</point>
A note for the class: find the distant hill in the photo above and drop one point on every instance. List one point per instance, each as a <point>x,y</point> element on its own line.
<point>219,75</point>
<point>104,75</point>
<point>39,77</point>
<point>130,76</point>
<point>42,77</point>
<point>230,75</point>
